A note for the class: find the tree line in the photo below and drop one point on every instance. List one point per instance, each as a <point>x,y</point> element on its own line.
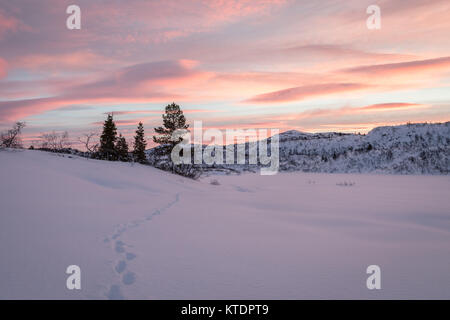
<point>111,145</point>
<point>114,147</point>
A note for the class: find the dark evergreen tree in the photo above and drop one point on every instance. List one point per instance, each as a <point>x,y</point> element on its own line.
<point>169,135</point>
<point>122,149</point>
<point>173,119</point>
<point>139,145</point>
<point>108,139</point>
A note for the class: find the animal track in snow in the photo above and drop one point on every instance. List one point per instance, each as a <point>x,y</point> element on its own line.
<point>121,268</point>
<point>130,256</point>
<point>115,293</point>
<point>129,278</point>
<point>119,246</point>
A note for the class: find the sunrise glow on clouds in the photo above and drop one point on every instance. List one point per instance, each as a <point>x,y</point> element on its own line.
<point>305,65</point>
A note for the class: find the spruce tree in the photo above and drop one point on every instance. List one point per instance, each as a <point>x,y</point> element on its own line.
<point>139,145</point>
<point>108,138</point>
<point>122,149</point>
<point>173,119</point>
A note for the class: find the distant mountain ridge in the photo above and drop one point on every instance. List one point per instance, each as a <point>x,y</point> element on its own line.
<point>420,148</point>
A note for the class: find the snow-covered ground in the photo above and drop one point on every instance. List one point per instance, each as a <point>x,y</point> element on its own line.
<point>137,232</point>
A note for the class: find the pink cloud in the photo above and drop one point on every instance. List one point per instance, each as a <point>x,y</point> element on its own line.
<point>3,68</point>
<point>19,109</point>
<point>162,21</point>
<point>345,111</point>
<point>391,106</point>
<point>139,83</point>
<point>403,67</point>
<point>305,92</point>
<point>228,9</point>
<point>188,111</point>
<point>70,61</point>
<point>354,119</point>
<point>8,23</point>
<point>247,125</point>
<point>341,51</point>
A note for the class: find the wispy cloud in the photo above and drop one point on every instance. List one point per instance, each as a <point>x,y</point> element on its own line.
<point>410,67</point>
<point>138,83</point>
<point>391,106</point>
<point>10,24</point>
<point>304,92</point>
<point>187,111</point>
<point>345,111</point>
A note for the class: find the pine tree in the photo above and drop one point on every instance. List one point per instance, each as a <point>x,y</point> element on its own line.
<point>173,119</point>
<point>122,149</point>
<point>108,138</point>
<point>139,145</point>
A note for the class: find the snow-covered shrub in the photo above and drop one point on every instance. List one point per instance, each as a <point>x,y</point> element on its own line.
<point>187,170</point>
<point>215,182</point>
<point>345,184</point>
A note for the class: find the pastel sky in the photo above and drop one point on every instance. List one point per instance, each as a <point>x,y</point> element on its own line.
<point>308,65</point>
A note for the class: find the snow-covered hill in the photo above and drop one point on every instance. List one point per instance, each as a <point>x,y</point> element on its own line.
<point>405,149</point>
<point>138,232</point>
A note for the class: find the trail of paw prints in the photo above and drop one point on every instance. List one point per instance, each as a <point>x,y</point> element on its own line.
<point>126,276</point>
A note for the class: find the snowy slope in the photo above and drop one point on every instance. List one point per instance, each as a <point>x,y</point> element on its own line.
<point>137,232</point>
<point>405,149</point>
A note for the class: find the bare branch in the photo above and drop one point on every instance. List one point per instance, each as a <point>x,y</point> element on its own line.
<point>55,141</point>
<point>86,140</point>
<point>10,138</point>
